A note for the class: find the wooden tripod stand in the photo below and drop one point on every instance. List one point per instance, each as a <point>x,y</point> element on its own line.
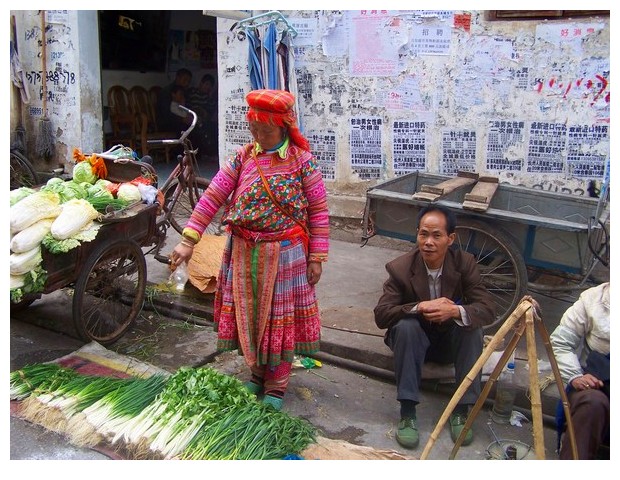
<point>525,317</point>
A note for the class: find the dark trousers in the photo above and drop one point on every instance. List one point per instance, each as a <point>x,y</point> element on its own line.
<point>415,341</point>
<point>589,411</point>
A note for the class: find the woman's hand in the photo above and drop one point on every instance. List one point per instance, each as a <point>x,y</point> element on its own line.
<point>314,272</point>
<point>586,382</point>
<point>181,253</point>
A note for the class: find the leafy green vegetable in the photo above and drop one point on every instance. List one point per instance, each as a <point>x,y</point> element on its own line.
<point>34,282</point>
<point>83,172</point>
<point>63,246</point>
<point>19,193</point>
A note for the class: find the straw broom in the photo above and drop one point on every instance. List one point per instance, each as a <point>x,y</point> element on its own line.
<point>45,138</point>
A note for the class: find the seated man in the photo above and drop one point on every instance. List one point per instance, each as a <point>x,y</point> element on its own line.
<point>433,307</point>
<point>581,348</point>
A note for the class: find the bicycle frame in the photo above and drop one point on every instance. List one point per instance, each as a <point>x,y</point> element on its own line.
<point>182,185</point>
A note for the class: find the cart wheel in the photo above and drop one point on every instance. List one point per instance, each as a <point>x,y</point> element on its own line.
<point>109,292</point>
<point>22,171</point>
<point>184,205</point>
<point>502,268</point>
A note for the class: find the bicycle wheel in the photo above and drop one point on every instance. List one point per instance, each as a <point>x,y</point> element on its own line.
<point>109,292</point>
<point>180,207</point>
<point>22,171</point>
<point>502,269</point>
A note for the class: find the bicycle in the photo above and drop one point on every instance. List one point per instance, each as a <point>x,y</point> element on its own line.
<point>183,187</point>
<point>23,173</point>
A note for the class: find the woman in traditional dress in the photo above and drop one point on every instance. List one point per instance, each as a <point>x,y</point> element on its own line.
<point>277,218</point>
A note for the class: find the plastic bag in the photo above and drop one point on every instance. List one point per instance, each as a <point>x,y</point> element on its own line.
<point>148,193</point>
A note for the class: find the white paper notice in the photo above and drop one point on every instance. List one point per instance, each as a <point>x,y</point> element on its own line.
<point>365,138</point>
<point>546,147</point>
<point>458,151</point>
<point>588,150</point>
<point>409,146</point>
<point>431,39</point>
<point>323,147</point>
<point>503,137</point>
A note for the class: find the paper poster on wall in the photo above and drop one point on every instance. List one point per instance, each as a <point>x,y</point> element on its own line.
<point>409,146</point>
<point>335,40</point>
<point>458,151</point>
<point>504,142</point>
<point>365,144</point>
<point>57,16</point>
<point>405,96</point>
<point>557,33</point>
<point>431,39</point>
<point>323,147</point>
<point>235,123</point>
<point>588,150</point>
<point>307,30</point>
<point>546,147</point>
<point>371,48</point>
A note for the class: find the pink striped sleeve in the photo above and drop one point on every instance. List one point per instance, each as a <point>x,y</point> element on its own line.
<point>318,212</point>
<point>221,186</point>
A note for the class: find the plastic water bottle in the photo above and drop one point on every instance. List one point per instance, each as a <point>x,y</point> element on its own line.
<point>504,395</point>
<point>178,277</point>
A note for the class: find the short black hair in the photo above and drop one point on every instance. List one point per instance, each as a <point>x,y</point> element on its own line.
<point>207,77</point>
<point>184,72</point>
<point>450,217</point>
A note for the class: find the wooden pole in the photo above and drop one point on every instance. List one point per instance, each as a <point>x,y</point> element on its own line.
<point>514,317</point>
<point>558,381</point>
<point>532,360</point>
<point>487,388</point>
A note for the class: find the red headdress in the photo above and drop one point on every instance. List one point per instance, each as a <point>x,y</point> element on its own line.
<point>276,107</point>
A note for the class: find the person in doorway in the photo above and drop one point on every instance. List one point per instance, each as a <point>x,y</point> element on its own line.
<point>202,100</point>
<point>277,219</point>
<point>181,119</point>
<point>581,348</point>
<point>166,119</point>
<point>433,306</point>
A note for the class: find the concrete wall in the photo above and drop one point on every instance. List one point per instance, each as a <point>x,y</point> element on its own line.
<point>72,78</point>
<point>383,93</point>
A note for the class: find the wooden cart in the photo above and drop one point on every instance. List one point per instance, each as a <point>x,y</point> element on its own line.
<point>515,232</point>
<point>108,274</point>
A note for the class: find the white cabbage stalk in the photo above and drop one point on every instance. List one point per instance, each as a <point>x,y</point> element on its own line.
<point>31,236</point>
<point>76,214</point>
<point>21,263</point>
<point>34,207</point>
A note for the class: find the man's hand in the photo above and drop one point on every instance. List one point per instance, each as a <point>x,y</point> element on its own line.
<point>439,310</point>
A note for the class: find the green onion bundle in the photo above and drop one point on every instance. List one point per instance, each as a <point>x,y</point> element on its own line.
<point>116,408</point>
<point>38,378</point>
<point>251,432</point>
<point>191,399</point>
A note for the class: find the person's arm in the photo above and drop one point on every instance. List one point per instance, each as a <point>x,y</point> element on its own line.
<point>393,304</point>
<point>221,186</point>
<point>567,340</point>
<point>318,212</point>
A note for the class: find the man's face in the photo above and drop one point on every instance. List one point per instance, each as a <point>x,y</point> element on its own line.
<point>433,238</point>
